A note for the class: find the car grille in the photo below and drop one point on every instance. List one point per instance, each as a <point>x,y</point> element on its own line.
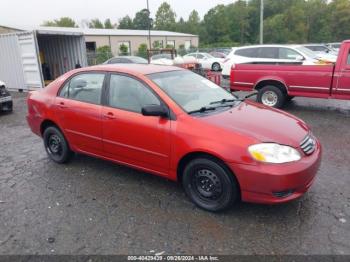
<point>308,144</point>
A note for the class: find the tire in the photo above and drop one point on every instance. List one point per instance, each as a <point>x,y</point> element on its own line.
<point>209,184</point>
<point>271,96</point>
<point>216,67</point>
<point>56,145</point>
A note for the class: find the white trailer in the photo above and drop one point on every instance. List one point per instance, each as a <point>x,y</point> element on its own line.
<point>29,59</point>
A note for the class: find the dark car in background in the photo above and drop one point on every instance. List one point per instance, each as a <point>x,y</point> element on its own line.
<point>5,98</point>
<point>126,60</point>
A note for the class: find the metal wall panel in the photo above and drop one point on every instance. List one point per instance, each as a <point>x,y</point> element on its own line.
<point>11,70</point>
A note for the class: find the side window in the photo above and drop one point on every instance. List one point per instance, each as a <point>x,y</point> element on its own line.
<point>287,53</point>
<point>247,52</point>
<point>114,61</point>
<point>84,87</point>
<point>129,94</point>
<point>348,62</point>
<point>268,52</point>
<point>200,56</point>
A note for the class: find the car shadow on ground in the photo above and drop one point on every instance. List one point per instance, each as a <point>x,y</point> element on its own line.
<point>168,190</point>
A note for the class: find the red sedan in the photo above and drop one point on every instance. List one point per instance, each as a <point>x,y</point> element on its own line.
<point>173,123</point>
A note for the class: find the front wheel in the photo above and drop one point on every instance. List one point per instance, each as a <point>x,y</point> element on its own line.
<point>56,145</point>
<point>216,67</point>
<point>209,184</point>
<point>271,96</point>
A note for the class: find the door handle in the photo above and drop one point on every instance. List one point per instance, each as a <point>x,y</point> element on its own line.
<point>109,115</point>
<point>62,105</point>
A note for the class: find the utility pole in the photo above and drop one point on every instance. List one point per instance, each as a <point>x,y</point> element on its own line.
<point>149,27</point>
<point>261,22</point>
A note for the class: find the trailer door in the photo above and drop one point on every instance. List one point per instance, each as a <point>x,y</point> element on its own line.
<point>30,60</point>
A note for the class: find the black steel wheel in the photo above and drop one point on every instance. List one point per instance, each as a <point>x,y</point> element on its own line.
<point>56,145</point>
<point>209,184</point>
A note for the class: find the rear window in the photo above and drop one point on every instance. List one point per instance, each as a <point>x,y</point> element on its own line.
<point>247,52</point>
<point>268,52</point>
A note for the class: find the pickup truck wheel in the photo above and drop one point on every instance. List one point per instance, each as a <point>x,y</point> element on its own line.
<point>56,145</point>
<point>271,96</point>
<point>209,184</point>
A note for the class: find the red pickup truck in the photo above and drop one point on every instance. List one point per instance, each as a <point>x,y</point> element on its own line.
<point>278,83</point>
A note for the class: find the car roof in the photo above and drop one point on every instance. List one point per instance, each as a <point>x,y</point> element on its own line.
<point>143,69</point>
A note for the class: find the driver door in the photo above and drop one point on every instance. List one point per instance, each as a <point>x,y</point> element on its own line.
<point>129,136</point>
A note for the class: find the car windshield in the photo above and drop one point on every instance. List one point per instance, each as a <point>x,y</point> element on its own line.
<point>191,91</point>
<point>138,60</point>
<point>307,52</point>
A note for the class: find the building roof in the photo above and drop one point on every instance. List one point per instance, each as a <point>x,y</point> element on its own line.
<point>99,32</point>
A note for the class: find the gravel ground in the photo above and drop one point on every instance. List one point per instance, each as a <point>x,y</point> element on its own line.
<point>90,206</point>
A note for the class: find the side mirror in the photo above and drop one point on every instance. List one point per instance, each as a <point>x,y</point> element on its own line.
<point>299,58</point>
<point>155,110</point>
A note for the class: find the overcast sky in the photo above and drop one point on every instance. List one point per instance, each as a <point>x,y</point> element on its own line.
<point>34,12</point>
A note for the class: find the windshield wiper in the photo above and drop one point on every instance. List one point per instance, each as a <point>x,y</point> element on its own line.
<point>202,109</point>
<point>222,101</point>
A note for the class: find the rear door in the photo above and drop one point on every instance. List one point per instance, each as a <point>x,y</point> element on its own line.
<point>129,136</point>
<point>78,108</point>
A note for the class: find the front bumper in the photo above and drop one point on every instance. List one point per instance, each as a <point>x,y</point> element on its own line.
<point>277,183</point>
<point>6,103</point>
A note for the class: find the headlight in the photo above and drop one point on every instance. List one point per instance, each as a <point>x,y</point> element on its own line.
<point>273,153</point>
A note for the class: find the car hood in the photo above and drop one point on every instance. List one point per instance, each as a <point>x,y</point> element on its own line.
<point>2,83</point>
<point>260,122</point>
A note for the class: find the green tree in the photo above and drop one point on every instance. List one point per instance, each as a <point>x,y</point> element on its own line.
<point>125,23</point>
<point>216,24</point>
<point>123,49</point>
<point>165,18</point>
<point>108,24</point>
<point>340,19</point>
<point>193,23</point>
<point>96,23</point>
<point>62,22</point>
<point>103,53</point>
<point>141,20</point>
<point>142,50</point>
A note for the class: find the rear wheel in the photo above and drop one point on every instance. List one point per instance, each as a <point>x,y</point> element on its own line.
<point>271,96</point>
<point>56,145</point>
<point>209,184</point>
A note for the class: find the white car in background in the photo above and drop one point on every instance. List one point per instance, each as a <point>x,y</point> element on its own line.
<point>323,52</point>
<point>207,60</point>
<point>269,54</point>
<point>167,59</point>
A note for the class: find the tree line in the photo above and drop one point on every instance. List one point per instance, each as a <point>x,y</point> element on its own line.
<point>285,21</point>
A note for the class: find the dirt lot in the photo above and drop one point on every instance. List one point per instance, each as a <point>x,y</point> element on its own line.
<point>90,206</point>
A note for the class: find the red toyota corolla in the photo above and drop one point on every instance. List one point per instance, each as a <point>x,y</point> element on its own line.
<point>176,124</point>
